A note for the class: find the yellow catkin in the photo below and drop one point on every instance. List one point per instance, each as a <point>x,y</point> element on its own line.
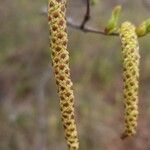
<point>60,63</point>
<point>130,53</point>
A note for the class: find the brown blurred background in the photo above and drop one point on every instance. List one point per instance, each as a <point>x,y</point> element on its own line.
<point>29,106</point>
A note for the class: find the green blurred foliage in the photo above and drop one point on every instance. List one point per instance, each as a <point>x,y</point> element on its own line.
<point>112,24</point>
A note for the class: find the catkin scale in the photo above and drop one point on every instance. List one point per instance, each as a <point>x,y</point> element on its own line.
<point>60,63</point>
<point>130,54</point>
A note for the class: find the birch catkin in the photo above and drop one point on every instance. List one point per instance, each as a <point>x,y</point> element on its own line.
<point>130,52</point>
<point>60,63</point>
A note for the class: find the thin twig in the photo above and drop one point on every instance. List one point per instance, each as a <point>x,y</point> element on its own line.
<point>81,26</point>
<point>87,15</point>
<point>88,29</point>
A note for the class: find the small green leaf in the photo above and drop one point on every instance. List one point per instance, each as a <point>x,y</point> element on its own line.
<point>113,21</point>
<point>147,25</point>
<point>143,28</point>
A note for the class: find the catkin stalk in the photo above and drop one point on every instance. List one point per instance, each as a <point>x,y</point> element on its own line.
<point>60,63</point>
<point>130,53</point>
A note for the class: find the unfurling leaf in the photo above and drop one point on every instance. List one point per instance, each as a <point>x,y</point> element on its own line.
<point>143,28</point>
<point>113,21</point>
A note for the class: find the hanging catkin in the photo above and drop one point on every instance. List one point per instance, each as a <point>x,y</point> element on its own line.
<point>130,53</point>
<point>60,63</point>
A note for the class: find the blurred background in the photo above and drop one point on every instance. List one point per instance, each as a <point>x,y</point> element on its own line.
<point>29,105</point>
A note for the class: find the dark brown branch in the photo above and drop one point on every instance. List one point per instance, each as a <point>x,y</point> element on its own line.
<point>88,29</point>
<point>87,15</point>
<point>81,26</point>
<point>85,20</point>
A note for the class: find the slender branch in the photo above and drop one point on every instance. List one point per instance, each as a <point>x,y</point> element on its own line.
<point>87,15</point>
<point>81,26</point>
<point>88,29</point>
<point>85,20</point>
